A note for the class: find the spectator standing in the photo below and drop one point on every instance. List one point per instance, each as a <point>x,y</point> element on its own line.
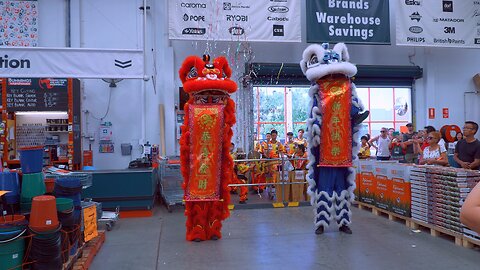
<point>408,143</point>
<point>381,144</point>
<point>467,151</point>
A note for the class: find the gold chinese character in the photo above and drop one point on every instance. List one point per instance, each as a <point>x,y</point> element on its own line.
<point>206,137</point>
<point>203,169</point>
<point>336,106</point>
<point>336,136</point>
<point>335,120</point>
<point>335,150</point>
<point>202,184</point>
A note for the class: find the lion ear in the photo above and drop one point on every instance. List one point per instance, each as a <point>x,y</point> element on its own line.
<point>190,68</point>
<point>222,64</point>
<point>342,50</point>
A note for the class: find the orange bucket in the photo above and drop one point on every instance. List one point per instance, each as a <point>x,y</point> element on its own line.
<point>50,185</point>
<point>43,216</point>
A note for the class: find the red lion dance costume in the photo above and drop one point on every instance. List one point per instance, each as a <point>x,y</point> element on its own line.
<point>206,164</point>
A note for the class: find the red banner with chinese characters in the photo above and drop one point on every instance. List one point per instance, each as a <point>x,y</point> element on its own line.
<point>206,124</point>
<point>336,132</point>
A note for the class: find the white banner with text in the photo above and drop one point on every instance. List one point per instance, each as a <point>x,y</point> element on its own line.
<point>236,20</point>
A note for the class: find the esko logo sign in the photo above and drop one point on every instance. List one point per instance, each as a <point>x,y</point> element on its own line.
<point>477,41</point>
<point>236,30</point>
<point>416,29</point>
<point>5,62</point>
<point>195,18</point>
<point>278,9</point>
<point>194,31</point>
<point>413,2</point>
<point>415,16</point>
<point>237,18</point>
<point>124,64</point>
<point>447,6</point>
<point>193,5</point>
<point>278,31</point>
<point>449,30</point>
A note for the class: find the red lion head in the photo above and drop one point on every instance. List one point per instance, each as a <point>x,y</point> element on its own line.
<point>199,75</point>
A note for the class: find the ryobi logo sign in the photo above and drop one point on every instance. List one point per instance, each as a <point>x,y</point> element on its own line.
<point>6,62</point>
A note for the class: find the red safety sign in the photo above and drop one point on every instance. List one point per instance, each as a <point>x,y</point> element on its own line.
<point>445,112</point>
<point>431,113</point>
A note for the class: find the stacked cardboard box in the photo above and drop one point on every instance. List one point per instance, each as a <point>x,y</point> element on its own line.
<point>438,193</point>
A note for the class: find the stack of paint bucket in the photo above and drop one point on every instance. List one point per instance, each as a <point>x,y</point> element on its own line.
<point>9,182</point>
<point>46,230</point>
<point>31,161</point>
<point>70,187</point>
<point>65,213</point>
<point>12,243</point>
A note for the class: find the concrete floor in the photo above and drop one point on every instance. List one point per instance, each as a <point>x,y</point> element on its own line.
<point>278,239</point>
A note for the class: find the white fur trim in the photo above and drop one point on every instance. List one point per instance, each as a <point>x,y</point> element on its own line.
<point>320,223</point>
<point>346,68</point>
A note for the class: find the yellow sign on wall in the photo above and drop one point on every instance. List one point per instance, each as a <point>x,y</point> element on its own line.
<point>90,223</point>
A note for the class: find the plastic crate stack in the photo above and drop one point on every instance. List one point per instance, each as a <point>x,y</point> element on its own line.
<point>438,194</point>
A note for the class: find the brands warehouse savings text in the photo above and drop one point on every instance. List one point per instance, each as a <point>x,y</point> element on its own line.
<point>350,22</point>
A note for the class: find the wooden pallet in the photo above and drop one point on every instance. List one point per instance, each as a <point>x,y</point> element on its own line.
<point>73,258</point>
<point>379,212</point>
<point>90,250</point>
<point>469,242</point>
<point>437,231</point>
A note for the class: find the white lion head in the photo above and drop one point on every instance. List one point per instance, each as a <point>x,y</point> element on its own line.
<point>319,61</point>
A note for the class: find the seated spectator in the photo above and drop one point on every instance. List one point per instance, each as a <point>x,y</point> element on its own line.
<point>364,148</point>
<point>467,151</point>
<point>434,153</point>
<point>470,212</point>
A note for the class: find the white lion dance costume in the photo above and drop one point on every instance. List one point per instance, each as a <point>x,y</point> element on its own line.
<point>332,129</point>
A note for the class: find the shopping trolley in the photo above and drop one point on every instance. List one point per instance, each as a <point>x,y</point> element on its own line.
<point>171,181</point>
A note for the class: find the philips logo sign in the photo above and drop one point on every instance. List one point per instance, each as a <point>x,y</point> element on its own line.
<point>5,62</point>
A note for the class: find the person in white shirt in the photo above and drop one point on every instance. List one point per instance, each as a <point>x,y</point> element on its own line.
<point>381,145</point>
<point>434,153</point>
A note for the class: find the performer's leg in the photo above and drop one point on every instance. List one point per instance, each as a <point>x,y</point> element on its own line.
<point>342,203</point>
<point>243,189</point>
<point>196,213</point>
<point>215,217</point>
<point>324,204</point>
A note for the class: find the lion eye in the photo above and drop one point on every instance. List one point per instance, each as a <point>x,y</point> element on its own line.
<point>193,73</point>
<point>313,61</point>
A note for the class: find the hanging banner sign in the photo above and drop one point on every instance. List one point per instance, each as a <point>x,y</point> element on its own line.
<point>438,23</point>
<point>236,20</point>
<point>361,21</point>
<point>22,62</point>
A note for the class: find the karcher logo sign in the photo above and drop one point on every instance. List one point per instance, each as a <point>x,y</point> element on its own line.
<point>6,62</point>
<point>121,64</point>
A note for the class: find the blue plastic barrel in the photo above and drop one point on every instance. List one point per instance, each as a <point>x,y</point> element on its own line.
<point>9,181</point>
<point>31,159</point>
